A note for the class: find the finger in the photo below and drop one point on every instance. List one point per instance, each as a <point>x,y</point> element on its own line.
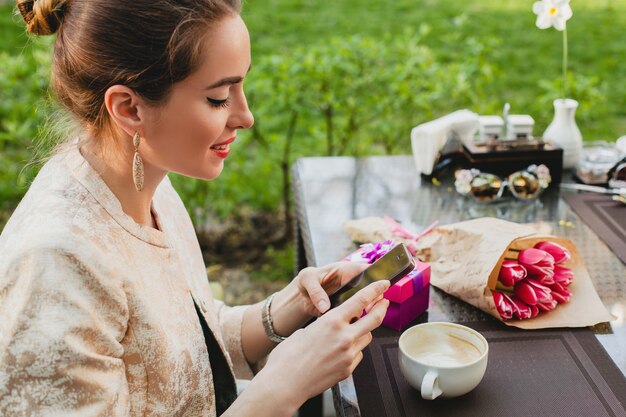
<point>341,273</point>
<point>373,319</point>
<point>354,306</point>
<point>350,270</point>
<point>363,341</point>
<point>312,285</point>
<point>370,305</point>
<point>357,359</point>
<point>338,274</point>
<point>329,272</point>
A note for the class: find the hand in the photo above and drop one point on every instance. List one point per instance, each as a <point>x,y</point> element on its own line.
<point>327,351</point>
<point>316,284</point>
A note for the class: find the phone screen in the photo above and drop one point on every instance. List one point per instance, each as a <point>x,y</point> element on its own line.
<point>394,265</point>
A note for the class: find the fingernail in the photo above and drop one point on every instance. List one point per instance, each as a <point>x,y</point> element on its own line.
<point>322,305</point>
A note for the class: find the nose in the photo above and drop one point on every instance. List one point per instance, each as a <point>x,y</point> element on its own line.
<point>241,117</point>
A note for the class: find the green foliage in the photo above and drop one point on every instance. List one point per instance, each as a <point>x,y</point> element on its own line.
<point>339,78</point>
<point>590,93</point>
<point>348,96</point>
<point>24,107</point>
<point>278,265</point>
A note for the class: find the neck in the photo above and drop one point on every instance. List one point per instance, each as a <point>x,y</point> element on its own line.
<point>116,171</point>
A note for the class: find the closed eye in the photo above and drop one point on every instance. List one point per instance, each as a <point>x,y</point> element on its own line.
<point>219,103</point>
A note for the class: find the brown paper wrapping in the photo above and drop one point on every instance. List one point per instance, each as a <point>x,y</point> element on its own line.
<point>466,257</point>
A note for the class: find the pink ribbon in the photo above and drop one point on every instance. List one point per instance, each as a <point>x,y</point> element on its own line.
<point>398,230</point>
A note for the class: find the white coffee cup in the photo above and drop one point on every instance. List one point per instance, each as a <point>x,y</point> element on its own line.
<point>442,359</point>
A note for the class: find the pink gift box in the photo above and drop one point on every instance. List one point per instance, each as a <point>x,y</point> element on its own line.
<point>401,290</point>
<point>408,297</point>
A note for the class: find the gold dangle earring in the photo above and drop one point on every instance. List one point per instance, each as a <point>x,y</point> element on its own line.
<point>137,164</point>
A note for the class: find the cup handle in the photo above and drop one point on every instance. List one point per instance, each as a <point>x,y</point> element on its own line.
<point>430,385</point>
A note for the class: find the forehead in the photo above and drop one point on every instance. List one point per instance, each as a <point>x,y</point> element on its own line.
<point>225,53</point>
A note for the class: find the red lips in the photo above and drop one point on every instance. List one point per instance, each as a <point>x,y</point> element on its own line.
<point>226,142</point>
<point>222,153</point>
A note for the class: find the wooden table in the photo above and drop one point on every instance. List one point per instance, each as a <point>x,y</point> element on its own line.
<point>330,190</point>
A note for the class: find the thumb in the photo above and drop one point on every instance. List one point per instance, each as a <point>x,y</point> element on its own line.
<point>354,306</point>
<point>312,285</point>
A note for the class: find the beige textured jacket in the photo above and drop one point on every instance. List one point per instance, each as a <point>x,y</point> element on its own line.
<point>97,313</point>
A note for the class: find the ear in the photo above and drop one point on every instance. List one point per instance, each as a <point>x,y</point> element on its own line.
<point>125,108</point>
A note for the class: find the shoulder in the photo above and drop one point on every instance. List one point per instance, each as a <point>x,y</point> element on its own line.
<point>56,221</point>
<point>54,265</point>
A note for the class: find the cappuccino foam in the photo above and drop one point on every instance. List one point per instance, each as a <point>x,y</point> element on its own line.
<point>442,349</point>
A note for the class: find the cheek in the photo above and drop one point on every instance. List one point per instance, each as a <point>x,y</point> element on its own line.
<point>192,128</point>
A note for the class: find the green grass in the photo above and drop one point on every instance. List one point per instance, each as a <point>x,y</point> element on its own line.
<point>524,56</point>
<point>11,30</point>
<point>524,69</point>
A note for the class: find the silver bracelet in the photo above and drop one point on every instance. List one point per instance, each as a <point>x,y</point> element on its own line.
<point>268,324</point>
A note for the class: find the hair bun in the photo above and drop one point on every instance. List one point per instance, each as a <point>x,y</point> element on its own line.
<point>42,17</point>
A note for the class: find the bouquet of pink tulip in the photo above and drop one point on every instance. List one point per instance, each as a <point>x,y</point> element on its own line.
<point>535,282</point>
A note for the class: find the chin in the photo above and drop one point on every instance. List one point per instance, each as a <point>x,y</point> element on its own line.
<point>212,172</point>
<point>205,172</point>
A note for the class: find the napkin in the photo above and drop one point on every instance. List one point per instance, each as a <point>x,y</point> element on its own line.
<point>428,139</point>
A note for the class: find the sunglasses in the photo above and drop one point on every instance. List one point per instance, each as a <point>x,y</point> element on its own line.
<point>617,175</point>
<point>524,185</point>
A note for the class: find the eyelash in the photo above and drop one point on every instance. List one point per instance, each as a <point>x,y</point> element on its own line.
<point>220,104</point>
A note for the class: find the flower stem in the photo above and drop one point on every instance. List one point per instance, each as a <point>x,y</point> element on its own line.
<point>503,288</point>
<point>564,85</point>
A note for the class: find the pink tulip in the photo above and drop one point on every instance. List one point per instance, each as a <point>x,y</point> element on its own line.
<point>511,306</point>
<point>543,279</point>
<point>563,275</point>
<point>545,301</point>
<point>542,292</point>
<point>503,305</point>
<point>560,293</point>
<point>526,292</point>
<point>538,264</point>
<point>551,305</point>
<point>511,272</point>
<point>521,310</point>
<point>534,311</point>
<point>558,252</point>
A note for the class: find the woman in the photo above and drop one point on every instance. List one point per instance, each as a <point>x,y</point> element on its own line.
<point>105,305</point>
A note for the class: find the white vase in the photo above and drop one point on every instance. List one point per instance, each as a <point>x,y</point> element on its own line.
<point>564,132</point>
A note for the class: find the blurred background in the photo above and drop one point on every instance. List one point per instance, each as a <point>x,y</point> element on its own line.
<point>342,77</point>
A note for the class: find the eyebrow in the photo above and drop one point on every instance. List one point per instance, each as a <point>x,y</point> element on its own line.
<point>228,81</point>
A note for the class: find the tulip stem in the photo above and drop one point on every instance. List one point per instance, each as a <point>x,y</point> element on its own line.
<point>503,288</point>
<point>564,86</point>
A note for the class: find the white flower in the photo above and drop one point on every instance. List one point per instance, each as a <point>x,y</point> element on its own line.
<point>552,13</point>
<point>542,173</point>
<point>464,177</point>
<point>462,187</point>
